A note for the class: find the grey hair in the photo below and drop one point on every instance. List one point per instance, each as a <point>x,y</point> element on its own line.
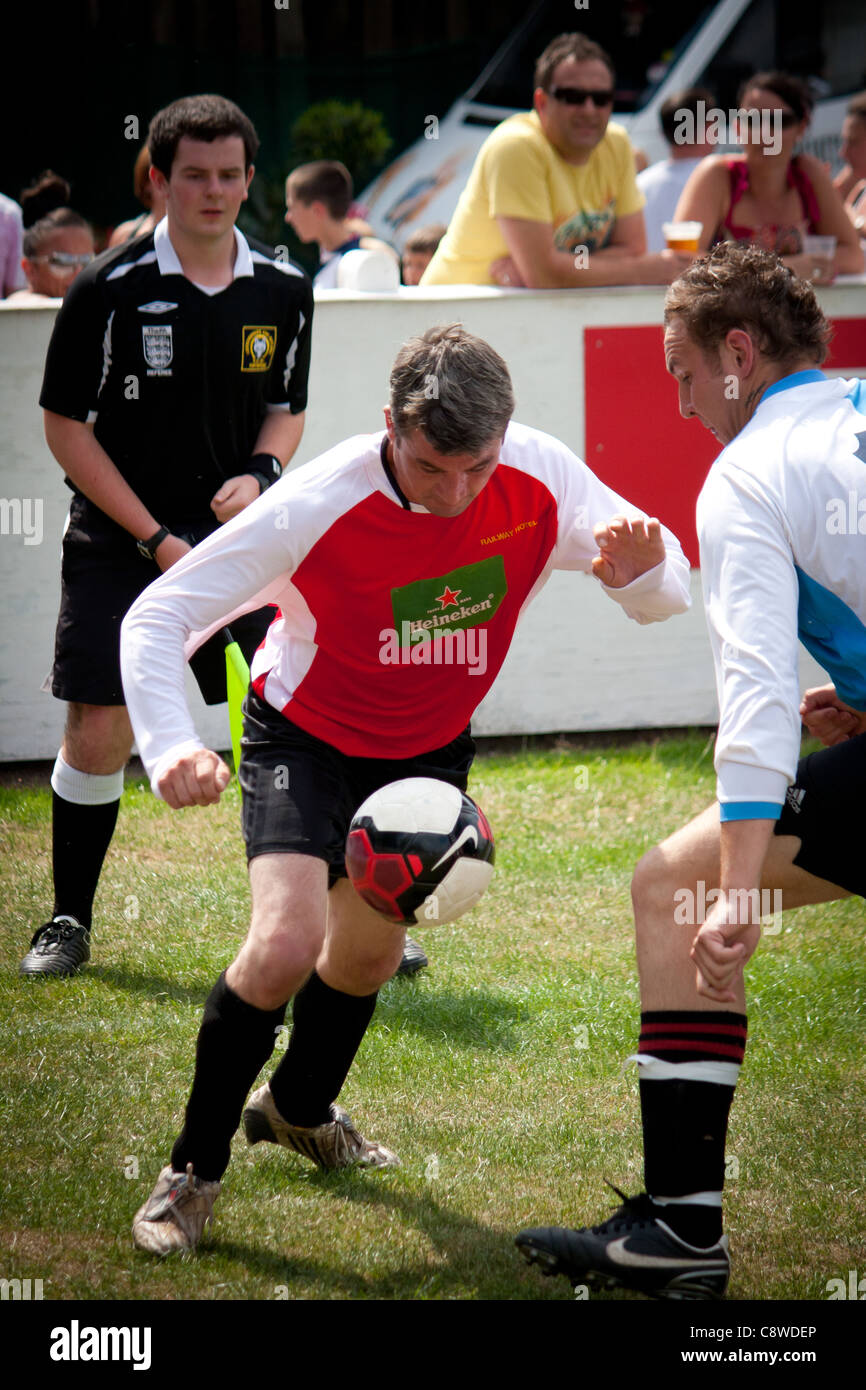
<point>453,387</point>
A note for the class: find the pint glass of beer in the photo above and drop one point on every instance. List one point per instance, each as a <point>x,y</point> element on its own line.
<point>682,236</point>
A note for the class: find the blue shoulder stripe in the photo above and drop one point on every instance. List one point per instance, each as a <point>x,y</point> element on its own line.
<point>857,395</point>
<point>835,636</point>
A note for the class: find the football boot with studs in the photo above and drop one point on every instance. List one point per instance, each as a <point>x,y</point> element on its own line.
<point>633,1249</point>
<point>335,1144</point>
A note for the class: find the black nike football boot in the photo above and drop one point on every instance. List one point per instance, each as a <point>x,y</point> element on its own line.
<point>633,1249</point>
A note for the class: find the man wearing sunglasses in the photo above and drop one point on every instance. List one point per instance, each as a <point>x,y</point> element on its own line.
<point>552,202</point>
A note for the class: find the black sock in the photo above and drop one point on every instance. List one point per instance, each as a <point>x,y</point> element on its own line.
<point>327,1030</point>
<point>81,836</point>
<point>685,1119</point>
<point>234,1042</point>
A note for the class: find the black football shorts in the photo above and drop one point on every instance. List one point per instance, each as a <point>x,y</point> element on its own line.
<point>102,574</point>
<point>824,808</point>
<point>300,793</point>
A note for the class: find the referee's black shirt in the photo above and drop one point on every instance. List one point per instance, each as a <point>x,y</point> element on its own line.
<point>177,380</point>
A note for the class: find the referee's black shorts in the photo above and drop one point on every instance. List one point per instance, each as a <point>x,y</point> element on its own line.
<point>300,793</point>
<point>825,808</point>
<point>102,573</point>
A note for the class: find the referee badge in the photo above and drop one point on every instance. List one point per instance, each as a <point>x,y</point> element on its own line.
<point>258,347</point>
<point>158,346</point>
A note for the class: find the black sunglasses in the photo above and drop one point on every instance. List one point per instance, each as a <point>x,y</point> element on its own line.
<point>576,96</point>
<point>785,118</point>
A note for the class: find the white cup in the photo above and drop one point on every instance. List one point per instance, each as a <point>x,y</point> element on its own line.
<point>820,246</point>
<point>370,270</point>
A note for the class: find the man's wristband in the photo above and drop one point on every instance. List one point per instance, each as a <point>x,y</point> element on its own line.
<point>266,469</point>
<point>149,547</point>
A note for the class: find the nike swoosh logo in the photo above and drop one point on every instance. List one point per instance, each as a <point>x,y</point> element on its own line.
<point>617,1252</point>
<point>469,833</point>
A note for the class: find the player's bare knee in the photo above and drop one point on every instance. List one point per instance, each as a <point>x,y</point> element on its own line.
<point>363,973</point>
<point>280,958</point>
<point>652,882</point>
<point>97,738</point>
<point>266,976</point>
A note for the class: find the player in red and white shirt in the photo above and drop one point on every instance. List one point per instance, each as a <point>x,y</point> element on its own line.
<point>400,564</point>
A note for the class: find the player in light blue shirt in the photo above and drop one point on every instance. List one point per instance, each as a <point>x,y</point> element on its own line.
<point>782,526</point>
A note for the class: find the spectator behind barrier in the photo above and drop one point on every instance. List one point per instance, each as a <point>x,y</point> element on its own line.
<point>56,249</point>
<point>552,201</point>
<point>11,234</point>
<point>318,199</point>
<point>419,250</point>
<point>47,192</point>
<point>768,196</point>
<point>851,182</point>
<point>662,183</point>
<point>150,198</point>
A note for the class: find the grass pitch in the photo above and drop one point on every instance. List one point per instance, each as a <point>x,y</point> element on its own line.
<point>496,1074</point>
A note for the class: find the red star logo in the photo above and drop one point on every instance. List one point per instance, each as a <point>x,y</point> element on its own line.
<point>449,597</point>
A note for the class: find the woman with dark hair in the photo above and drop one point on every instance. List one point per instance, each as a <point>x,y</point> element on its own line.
<point>56,250</point>
<point>46,193</point>
<point>768,196</point>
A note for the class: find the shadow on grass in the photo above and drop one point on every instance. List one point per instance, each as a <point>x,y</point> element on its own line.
<point>478,1018</point>
<point>154,986</point>
<point>475,1257</point>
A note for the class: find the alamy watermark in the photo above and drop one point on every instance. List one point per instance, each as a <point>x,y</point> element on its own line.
<point>21,1289</point>
<point>22,516</point>
<point>854,1287</point>
<point>846,516</point>
<point>745,905</point>
<point>416,645</point>
<point>736,126</point>
<point>77,1343</point>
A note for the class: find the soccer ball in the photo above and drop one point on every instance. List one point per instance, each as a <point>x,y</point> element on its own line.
<point>420,851</point>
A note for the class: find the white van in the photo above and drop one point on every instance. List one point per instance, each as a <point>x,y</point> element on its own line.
<point>657,48</point>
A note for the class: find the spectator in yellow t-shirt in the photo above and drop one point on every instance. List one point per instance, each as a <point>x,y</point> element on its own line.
<point>552,201</point>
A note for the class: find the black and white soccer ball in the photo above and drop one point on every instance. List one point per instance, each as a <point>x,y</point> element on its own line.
<point>420,851</point>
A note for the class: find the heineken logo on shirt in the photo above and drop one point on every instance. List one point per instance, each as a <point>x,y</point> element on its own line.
<point>258,347</point>
<point>462,598</point>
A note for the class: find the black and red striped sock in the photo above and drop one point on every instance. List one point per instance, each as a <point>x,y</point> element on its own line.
<point>689,1064</point>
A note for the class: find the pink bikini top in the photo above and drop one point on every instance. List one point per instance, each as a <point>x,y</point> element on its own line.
<point>786,241</point>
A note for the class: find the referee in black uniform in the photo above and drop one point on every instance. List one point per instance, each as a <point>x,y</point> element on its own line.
<point>174,393</point>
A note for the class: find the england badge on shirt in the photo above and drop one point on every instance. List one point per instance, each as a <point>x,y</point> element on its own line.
<point>158,346</point>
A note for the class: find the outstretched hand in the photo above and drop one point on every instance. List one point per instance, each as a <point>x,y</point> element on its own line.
<point>627,549</point>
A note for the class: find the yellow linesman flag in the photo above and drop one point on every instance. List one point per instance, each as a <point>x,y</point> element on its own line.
<point>237,684</point>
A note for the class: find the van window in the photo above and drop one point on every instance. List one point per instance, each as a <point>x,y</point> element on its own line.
<point>641,37</point>
<point>821,42</point>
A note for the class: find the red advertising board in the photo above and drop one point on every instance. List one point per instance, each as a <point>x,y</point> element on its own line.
<point>635,438</point>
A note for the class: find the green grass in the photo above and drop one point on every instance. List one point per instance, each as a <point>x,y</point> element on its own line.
<point>476,1072</point>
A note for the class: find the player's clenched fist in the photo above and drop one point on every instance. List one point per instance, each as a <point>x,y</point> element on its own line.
<point>720,950</point>
<point>829,718</point>
<point>627,549</point>
<point>194,779</point>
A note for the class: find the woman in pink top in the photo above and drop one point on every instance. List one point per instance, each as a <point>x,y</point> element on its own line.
<point>768,195</point>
